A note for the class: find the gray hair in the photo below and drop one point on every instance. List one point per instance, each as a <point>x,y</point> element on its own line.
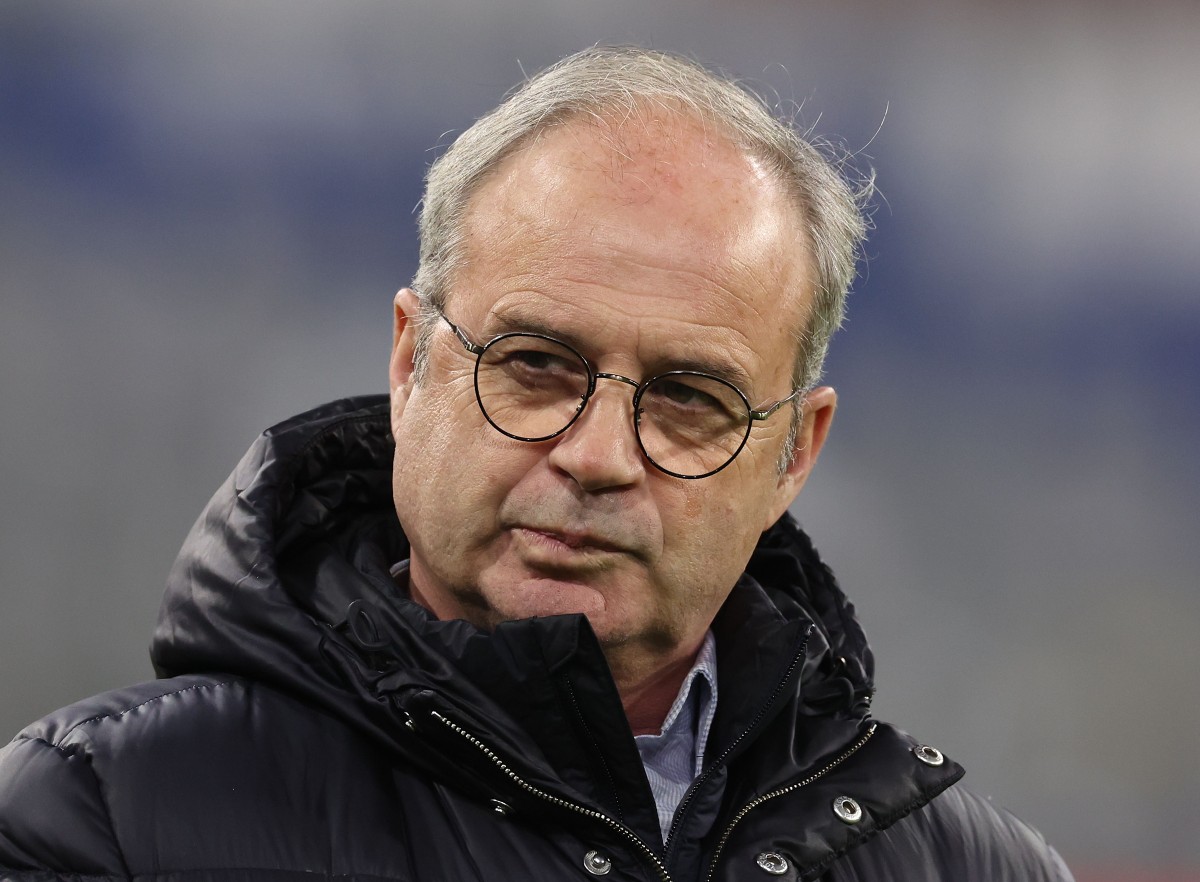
<point>602,81</point>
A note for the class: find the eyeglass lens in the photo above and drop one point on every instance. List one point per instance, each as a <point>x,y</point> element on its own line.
<point>532,387</point>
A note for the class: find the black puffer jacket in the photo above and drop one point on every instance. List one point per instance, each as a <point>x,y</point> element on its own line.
<point>313,721</point>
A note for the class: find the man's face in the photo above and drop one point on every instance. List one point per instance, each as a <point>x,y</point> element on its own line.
<point>653,248</point>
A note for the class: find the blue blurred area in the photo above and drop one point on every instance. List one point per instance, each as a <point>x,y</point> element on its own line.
<point>207,208</point>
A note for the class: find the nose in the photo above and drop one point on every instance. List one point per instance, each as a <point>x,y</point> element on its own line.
<point>600,451</point>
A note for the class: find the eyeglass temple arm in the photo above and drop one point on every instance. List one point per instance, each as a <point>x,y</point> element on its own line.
<point>764,414</point>
<point>473,348</point>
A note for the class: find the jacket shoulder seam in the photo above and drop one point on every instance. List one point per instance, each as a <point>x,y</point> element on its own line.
<point>118,714</point>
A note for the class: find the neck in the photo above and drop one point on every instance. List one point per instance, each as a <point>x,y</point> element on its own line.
<point>649,689</point>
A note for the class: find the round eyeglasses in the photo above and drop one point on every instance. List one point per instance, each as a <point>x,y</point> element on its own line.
<point>532,387</point>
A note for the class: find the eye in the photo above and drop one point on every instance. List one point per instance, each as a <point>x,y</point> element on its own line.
<point>682,394</point>
<point>538,361</point>
<point>693,405</point>
<point>535,362</point>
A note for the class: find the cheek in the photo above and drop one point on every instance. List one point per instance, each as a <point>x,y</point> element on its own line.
<point>437,421</point>
<point>706,540</point>
<point>720,526</point>
<point>432,444</point>
<point>454,468</point>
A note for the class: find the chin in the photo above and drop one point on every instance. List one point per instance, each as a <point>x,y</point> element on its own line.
<point>549,597</point>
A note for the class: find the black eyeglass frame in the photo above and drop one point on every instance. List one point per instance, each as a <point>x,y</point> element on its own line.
<point>594,375</point>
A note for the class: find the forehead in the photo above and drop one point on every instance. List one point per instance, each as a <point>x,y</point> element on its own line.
<point>657,218</point>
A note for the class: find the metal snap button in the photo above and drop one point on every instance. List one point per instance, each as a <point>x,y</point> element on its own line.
<point>775,864</point>
<point>930,756</point>
<point>501,808</point>
<point>847,809</point>
<point>596,863</point>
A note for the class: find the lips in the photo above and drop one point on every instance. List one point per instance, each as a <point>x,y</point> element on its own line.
<point>552,527</point>
<point>573,540</point>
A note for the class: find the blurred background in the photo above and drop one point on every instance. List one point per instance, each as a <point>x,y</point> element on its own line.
<point>206,208</point>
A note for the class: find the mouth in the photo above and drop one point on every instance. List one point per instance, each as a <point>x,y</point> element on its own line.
<point>566,542</point>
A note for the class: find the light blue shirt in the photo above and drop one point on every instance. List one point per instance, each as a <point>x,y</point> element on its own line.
<point>675,757</point>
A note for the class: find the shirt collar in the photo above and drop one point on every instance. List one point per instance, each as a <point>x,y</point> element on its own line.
<point>695,706</point>
<point>705,667</point>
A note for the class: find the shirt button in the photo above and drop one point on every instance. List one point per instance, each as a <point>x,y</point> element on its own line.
<point>596,863</point>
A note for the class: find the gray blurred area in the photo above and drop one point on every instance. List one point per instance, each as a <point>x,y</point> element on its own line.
<point>205,209</point>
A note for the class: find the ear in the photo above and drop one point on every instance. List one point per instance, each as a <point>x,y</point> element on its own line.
<point>819,406</point>
<point>404,338</point>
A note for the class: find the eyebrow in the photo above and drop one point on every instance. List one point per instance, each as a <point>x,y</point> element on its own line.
<point>525,324</point>
<point>693,361</point>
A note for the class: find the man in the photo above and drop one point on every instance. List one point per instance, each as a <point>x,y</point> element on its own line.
<point>577,633</point>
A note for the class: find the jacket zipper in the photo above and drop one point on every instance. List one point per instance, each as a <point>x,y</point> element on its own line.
<point>681,809</point>
<point>854,748</point>
<point>554,800</point>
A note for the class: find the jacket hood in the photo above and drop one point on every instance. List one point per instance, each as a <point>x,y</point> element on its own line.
<point>285,579</point>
